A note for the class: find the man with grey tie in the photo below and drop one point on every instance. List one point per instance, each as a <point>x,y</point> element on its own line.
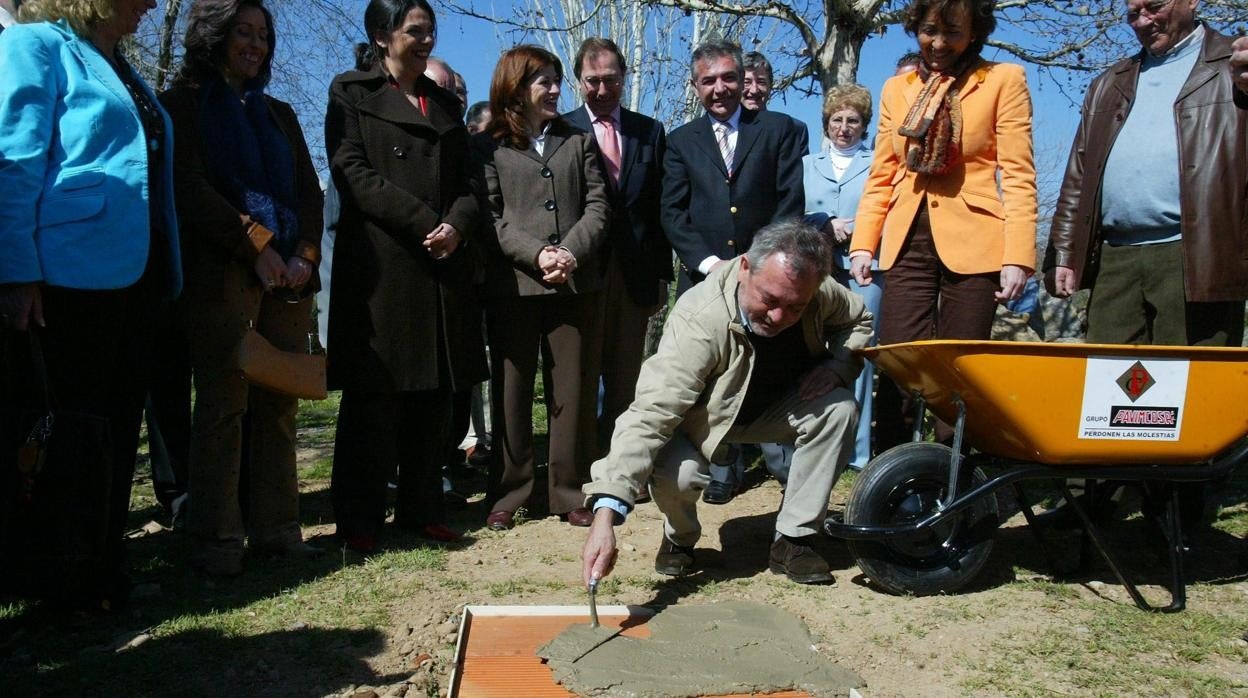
<point>726,175</point>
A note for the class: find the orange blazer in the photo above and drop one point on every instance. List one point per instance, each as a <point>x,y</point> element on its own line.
<point>977,225</point>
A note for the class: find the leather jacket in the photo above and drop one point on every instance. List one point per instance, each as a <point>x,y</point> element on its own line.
<point>1211,117</point>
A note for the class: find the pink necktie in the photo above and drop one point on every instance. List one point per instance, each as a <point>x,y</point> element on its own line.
<point>610,146</point>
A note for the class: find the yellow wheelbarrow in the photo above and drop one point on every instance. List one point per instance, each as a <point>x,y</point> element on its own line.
<point>921,517</point>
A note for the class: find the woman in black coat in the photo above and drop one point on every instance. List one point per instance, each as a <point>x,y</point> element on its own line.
<point>404,322</point>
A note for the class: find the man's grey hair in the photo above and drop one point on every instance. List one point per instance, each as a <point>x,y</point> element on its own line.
<point>758,63</point>
<point>714,48</point>
<point>806,249</point>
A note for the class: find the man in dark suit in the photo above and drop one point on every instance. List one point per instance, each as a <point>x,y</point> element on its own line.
<point>756,93</point>
<point>710,209</point>
<point>639,259</point>
<point>726,175</point>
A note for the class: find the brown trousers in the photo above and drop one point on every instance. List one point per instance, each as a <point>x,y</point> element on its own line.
<point>520,329</point>
<point>222,400</point>
<point>924,299</point>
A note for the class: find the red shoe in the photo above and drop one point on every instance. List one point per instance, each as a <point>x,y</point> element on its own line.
<point>500,520</point>
<point>360,543</point>
<point>439,532</point>
<point>579,517</point>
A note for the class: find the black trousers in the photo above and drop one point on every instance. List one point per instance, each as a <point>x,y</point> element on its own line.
<point>376,431</point>
<point>97,348</point>
<point>168,408</point>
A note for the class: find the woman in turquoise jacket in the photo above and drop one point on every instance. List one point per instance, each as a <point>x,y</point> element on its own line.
<point>88,235</point>
<point>833,179</point>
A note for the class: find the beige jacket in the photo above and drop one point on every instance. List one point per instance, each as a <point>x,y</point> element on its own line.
<point>701,372</point>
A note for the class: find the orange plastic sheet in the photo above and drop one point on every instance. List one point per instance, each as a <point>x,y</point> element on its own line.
<point>497,652</point>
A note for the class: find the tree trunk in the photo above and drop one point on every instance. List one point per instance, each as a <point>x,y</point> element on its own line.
<point>836,62</point>
<point>164,60</point>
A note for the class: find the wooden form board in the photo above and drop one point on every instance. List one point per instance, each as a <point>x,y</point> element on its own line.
<point>496,656</point>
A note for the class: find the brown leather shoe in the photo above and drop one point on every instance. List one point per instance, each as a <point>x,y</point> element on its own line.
<point>579,516</point>
<point>500,520</point>
<point>673,560</point>
<point>797,560</point>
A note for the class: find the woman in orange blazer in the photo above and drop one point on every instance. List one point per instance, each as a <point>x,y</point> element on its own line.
<point>951,200</point>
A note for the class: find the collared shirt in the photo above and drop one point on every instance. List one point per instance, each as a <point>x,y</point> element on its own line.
<point>1196,36</point>
<point>539,141</point>
<point>734,128</point>
<point>6,19</point>
<point>598,127</point>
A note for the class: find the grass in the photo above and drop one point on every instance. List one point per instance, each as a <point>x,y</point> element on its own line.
<point>1114,649</point>
<point>316,626</point>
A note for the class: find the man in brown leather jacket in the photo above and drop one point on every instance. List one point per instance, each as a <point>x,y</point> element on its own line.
<point>1153,211</point>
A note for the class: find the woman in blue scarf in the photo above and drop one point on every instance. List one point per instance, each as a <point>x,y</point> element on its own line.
<point>249,202</point>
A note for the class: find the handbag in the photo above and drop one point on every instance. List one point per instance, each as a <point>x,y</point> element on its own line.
<point>56,473</point>
<point>300,375</point>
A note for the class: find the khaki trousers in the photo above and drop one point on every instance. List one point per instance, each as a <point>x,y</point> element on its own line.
<point>822,432</point>
<point>222,400</point>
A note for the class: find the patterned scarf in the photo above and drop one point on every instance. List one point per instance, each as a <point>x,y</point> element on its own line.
<point>934,122</point>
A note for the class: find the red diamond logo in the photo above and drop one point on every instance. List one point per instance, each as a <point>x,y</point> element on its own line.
<point>1136,381</point>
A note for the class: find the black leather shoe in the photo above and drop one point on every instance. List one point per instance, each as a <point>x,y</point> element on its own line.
<point>673,560</point>
<point>798,561</point>
<point>718,493</point>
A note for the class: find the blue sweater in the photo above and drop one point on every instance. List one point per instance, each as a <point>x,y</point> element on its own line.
<point>1140,190</point>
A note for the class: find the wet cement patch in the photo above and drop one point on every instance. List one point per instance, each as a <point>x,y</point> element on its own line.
<point>730,647</point>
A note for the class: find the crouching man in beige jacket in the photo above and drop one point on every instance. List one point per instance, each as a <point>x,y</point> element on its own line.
<point>761,351</point>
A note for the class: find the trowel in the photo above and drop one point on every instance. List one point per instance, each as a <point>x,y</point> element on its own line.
<point>583,639</point>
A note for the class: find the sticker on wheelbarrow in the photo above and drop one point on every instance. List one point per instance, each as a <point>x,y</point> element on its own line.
<point>1133,399</point>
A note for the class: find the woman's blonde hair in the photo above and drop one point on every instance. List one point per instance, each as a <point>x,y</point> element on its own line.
<point>81,14</point>
<point>840,97</point>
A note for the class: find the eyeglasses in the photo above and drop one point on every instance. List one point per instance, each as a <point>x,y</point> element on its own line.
<point>1148,10</point>
<point>608,80</point>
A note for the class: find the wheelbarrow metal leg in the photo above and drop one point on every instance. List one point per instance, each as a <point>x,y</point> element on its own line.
<point>1024,505</point>
<point>1174,539</point>
<point>920,411</point>
<point>1177,591</point>
<point>955,456</point>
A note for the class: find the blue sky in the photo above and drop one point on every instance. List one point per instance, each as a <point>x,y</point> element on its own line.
<point>471,47</point>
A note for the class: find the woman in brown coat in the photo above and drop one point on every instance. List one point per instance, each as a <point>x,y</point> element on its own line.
<point>549,205</point>
<point>404,322</point>
<point>249,207</point>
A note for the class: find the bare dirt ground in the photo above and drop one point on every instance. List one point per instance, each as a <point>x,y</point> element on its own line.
<point>1014,631</point>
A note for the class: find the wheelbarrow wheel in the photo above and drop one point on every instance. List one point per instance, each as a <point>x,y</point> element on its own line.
<point>903,485</point>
